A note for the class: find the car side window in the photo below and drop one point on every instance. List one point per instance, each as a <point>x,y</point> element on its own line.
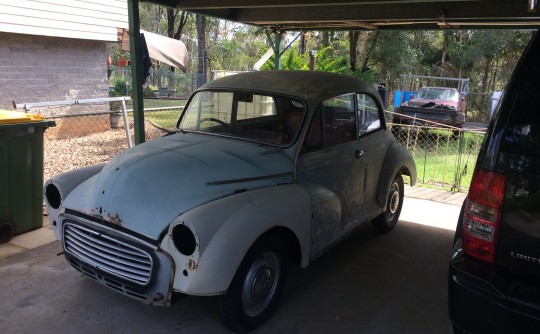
<point>334,123</point>
<point>368,114</point>
<point>522,135</point>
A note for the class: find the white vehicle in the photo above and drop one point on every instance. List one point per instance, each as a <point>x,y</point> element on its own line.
<point>265,168</point>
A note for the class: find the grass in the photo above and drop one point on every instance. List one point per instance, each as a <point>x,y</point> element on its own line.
<point>157,103</point>
<point>162,118</point>
<point>439,159</point>
<point>165,119</point>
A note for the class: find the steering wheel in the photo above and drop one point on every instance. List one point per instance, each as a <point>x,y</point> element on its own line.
<point>212,119</point>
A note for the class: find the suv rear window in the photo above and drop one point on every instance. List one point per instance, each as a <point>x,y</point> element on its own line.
<point>522,135</point>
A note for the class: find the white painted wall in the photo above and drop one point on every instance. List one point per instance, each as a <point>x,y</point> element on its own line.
<point>80,19</point>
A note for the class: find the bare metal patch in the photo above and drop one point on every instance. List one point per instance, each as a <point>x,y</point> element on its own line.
<point>192,265</point>
<point>114,219</point>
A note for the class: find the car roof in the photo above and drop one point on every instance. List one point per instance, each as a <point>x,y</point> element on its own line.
<point>308,85</point>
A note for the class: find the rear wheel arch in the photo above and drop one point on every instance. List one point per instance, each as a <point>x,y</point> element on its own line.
<point>397,161</point>
<point>388,219</point>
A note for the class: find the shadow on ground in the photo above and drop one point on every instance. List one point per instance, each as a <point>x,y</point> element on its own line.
<point>370,283</point>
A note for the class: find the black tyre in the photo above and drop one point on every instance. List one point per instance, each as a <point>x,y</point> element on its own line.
<point>256,287</point>
<point>7,230</point>
<point>389,218</point>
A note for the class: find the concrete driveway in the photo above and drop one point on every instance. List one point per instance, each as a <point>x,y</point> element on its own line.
<point>370,283</point>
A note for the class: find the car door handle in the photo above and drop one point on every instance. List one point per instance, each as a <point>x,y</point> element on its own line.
<point>358,154</point>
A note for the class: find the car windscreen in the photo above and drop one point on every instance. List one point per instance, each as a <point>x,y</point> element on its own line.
<point>438,94</point>
<point>267,118</point>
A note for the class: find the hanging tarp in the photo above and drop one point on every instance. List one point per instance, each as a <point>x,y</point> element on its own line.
<point>167,50</point>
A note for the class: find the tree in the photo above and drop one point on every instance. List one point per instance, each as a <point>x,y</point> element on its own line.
<point>201,49</point>
<point>353,44</point>
<point>174,26</point>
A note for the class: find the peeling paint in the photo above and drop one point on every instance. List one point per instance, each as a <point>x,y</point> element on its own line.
<point>114,219</point>
<point>192,265</point>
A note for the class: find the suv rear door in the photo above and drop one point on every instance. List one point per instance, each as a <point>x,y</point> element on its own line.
<point>519,160</point>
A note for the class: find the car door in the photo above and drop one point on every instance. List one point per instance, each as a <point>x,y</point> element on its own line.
<point>331,168</point>
<point>373,143</point>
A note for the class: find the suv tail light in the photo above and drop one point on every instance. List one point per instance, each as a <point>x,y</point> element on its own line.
<point>482,214</point>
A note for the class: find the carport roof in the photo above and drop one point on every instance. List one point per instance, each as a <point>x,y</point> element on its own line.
<point>309,15</point>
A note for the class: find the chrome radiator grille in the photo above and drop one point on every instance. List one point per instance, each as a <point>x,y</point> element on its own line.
<point>107,254</point>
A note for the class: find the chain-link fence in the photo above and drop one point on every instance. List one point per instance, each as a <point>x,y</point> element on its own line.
<point>478,107</point>
<point>80,140</point>
<point>445,157</point>
<point>160,83</point>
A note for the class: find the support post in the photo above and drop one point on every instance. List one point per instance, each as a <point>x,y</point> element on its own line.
<point>276,46</point>
<point>312,60</point>
<point>277,51</point>
<point>136,70</point>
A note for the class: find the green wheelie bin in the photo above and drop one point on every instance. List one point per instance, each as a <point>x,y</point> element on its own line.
<point>21,172</point>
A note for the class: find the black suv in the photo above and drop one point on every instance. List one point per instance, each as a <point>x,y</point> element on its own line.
<point>494,277</point>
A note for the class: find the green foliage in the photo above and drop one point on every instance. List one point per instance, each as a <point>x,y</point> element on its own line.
<point>329,61</point>
<point>326,61</point>
<point>116,52</point>
<point>487,57</point>
<point>119,88</point>
<point>148,92</point>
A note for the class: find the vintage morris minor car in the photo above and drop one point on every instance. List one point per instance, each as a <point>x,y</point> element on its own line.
<point>265,168</point>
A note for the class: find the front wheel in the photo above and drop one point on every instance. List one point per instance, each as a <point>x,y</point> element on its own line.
<point>394,202</point>
<point>256,286</point>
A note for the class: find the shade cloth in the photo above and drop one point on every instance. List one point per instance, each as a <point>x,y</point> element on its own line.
<point>167,50</point>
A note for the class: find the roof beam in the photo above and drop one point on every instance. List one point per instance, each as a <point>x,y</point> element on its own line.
<point>476,11</point>
<point>367,14</point>
<point>220,4</point>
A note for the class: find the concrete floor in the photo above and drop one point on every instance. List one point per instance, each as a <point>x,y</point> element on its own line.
<point>370,283</point>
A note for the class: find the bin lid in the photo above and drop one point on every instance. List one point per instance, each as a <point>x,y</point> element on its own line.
<point>10,117</point>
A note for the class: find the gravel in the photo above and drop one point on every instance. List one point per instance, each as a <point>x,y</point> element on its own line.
<point>62,155</point>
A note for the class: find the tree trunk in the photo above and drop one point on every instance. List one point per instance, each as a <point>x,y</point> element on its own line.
<point>201,48</point>
<point>444,51</point>
<point>353,43</point>
<point>326,39</point>
<point>485,75</point>
<point>173,32</point>
<point>370,48</point>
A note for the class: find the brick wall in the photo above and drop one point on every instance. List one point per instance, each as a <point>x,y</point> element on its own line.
<point>42,69</point>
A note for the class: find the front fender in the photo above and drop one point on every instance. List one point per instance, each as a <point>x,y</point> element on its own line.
<point>397,160</point>
<point>60,186</point>
<point>225,229</point>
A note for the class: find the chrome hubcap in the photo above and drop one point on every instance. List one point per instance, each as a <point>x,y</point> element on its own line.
<point>394,201</point>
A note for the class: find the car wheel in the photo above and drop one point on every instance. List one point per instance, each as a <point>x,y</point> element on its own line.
<point>7,230</point>
<point>256,286</point>
<point>389,218</point>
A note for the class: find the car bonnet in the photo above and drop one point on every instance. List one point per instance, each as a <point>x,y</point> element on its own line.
<point>146,187</point>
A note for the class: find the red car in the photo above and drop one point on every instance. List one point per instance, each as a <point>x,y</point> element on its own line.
<point>432,105</point>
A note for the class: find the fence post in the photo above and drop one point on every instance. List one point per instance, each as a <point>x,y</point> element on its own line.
<point>126,123</point>
<point>457,172</point>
